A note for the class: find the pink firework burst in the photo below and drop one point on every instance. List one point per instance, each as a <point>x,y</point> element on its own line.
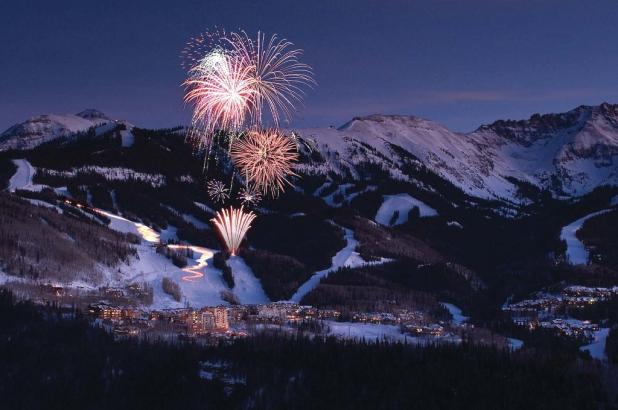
<point>265,159</point>
<point>233,225</point>
<point>234,79</point>
<point>221,89</point>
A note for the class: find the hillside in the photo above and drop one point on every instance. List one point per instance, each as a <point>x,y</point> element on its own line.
<point>569,154</point>
<point>372,203</point>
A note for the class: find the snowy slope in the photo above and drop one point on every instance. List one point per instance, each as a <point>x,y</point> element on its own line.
<point>22,179</point>
<point>401,203</point>
<point>47,127</point>
<point>576,250</point>
<point>570,153</point>
<point>346,257</point>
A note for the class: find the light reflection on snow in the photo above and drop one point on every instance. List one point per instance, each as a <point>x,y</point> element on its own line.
<point>194,271</point>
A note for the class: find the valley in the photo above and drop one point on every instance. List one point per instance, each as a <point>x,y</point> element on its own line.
<point>418,257</point>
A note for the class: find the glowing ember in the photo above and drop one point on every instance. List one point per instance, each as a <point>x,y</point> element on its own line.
<point>265,158</point>
<point>232,225</point>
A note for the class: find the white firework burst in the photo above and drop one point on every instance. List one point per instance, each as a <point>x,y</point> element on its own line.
<point>217,191</point>
<point>232,225</point>
<point>249,196</point>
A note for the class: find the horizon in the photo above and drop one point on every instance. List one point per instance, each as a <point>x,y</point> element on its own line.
<point>324,126</point>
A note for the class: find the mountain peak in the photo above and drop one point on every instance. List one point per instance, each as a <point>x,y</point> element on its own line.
<point>383,119</point>
<point>93,114</point>
<point>47,127</point>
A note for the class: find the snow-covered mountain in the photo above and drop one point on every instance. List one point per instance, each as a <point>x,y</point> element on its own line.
<point>570,153</point>
<point>44,128</point>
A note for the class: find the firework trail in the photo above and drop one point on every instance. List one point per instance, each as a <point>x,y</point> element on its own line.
<point>265,159</point>
<point>249,196</point>
<point>217,191</point>
<point>232,225</point>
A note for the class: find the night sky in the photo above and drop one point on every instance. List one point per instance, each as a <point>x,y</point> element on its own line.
<point>458,62</point>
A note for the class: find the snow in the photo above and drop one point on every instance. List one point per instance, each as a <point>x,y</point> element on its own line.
<point>515,344</point>
<point>614,201</point>
<point>330,198</point>
<point>455,224</point>
<point>113,174</point>
<point>201,284</point>
<point>402,203</point>
<point>576,250</point>
<point>128,139</point>
<point>458,317</point>
<point>367,331</point>
<point>205,207</point>
<point>580,153</point>
<point>22,179</point>
<point>197,223</point>
<point>597,347</point>
<point>247,287</point>
<point>346,257</point>
<point>44,128</point>
<point>38,202</point>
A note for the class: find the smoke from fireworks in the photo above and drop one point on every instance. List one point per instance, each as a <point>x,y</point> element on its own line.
<point>217,191</point>
<point>265,159</point>
<point>232,225</point>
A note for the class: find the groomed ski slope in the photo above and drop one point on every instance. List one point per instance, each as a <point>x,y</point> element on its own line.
<point>576,250</point>
<point>402,203</point>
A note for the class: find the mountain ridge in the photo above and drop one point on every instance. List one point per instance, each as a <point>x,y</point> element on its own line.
<point>569,154</point>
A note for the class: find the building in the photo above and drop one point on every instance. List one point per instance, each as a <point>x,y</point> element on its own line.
<point>195,322</point>
<point>221,318</point>
<point>208,318</point>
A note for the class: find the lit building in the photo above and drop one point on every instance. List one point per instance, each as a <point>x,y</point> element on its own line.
<point>221,319</point>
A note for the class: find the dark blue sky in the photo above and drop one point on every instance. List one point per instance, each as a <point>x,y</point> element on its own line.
<point>458,62</point>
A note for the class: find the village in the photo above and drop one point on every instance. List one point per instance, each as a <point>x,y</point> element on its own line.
<point>551,311</point>
<point>125,312</point>
<point>214,324</point>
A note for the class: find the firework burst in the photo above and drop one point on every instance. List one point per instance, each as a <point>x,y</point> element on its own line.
<point>249,196</point>
<point>221,90</point>
<point>217,191</point>
<point>200,46</point>
<point>265,159</point>
<point>233,79</point>
<point>278,75</point>
<point>232,225</point>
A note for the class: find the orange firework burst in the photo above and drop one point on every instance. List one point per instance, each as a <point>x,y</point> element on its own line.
<point>232,225</point>
<point>265,158</point>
